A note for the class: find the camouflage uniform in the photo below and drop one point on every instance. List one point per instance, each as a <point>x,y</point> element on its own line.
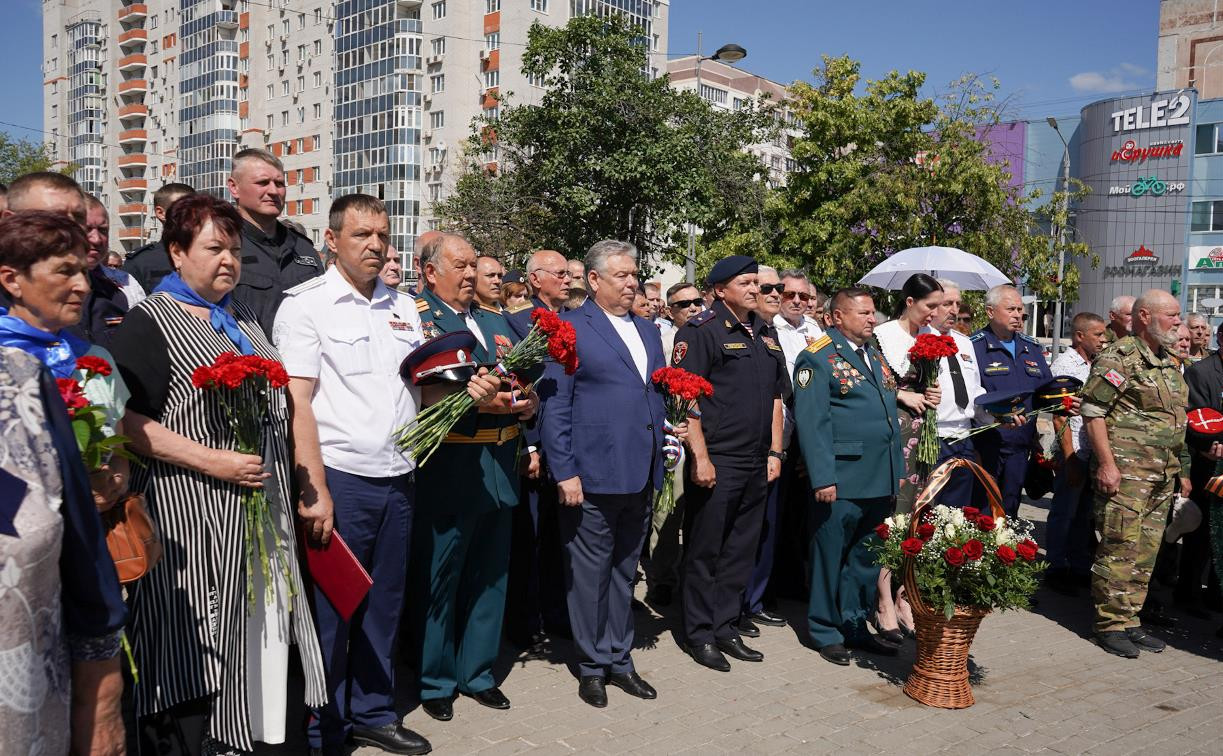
<point>1142,399</point>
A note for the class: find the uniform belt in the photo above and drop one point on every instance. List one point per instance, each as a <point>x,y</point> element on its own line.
<point>496,436</point>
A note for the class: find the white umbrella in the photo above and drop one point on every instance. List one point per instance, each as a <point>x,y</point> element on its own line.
<point>968,271</point>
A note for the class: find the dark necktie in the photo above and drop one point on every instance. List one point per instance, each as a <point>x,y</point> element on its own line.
<point>862,356</point>
<point>957,381</point>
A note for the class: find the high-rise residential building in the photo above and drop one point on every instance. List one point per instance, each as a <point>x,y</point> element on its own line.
<point>1190,52</point>
<point>728,88</point>
<point>375,96</point>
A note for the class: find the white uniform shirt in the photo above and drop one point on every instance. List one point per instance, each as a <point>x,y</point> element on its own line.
<point>326,330</point>
<point>1071,363</point>
<point>794,340</point>
<point>131,288</point>
<point>952,419</point>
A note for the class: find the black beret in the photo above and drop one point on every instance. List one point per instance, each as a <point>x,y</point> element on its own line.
<point>513,276</point>
<point>729,267</point>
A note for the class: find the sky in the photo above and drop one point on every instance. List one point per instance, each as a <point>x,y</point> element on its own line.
<point>1051,57</point>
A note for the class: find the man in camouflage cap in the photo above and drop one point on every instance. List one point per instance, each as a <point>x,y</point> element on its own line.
<point>1134,411</point>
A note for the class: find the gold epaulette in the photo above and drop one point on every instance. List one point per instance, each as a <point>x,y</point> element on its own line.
<point>819,344</point>
<point>519,308</point>
<point>421,305</point>
<point>493,310</point>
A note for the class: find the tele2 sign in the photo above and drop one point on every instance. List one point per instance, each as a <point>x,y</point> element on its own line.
<point>1171,112</point>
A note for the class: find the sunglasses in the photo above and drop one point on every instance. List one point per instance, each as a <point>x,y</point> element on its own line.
<point>684,304</point>
<point>802,295</point>
<point>772,288</point>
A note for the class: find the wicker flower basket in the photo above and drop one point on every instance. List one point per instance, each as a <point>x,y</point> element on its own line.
<point>940,673</point>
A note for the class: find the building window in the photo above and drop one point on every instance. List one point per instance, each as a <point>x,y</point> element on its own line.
<point>713,94</point>
<point>439,46</point>
<point>492,6</point>
<point>539,6</point>
<point>271,62</point>
<point>439,10</point>
<point>301,115</point>
<point>1207,216</point>
<point>301,20</point>
<point>318,79</point>
<point>318,111</point>
<point>1209,139</point>
<point>317,142</point>
<point>492,78</point>
<point>437,119</point>
<point>318,47</point>
<point>535,80</point>
<point>301,53</point>
<point>284,87</point>
<point>738,103</point>
<point>318,19</point>
<point>271,91</point>
<point>284,118</point>
<point>284,26</point>
<point>437,83</point>
<point>301,83</point>
<point>492,41</point>
<point>271,121</point>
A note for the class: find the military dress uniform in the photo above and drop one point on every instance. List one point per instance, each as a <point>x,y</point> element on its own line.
<point>149,264</point>
<point>845,411</point>
<point>461,542</point>
<point>271,264</point>
<point>722,524</point>
<point>1005,451</point>
<point>1142,398</point>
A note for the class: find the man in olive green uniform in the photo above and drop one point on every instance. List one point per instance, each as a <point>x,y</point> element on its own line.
<point>845,412</point>
<point>1134,411</point>
<point>1120,314</point>
<point>465,493</point>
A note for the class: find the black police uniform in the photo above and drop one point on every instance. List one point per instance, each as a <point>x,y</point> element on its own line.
<point>722,524</point>
<point>270,265</point>
<point>148,265</point>
<point>104,310</point>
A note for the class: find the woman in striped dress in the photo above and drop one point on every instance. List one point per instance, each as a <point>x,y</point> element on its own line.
<point>213,669</point>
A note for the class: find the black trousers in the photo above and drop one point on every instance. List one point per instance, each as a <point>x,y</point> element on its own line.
<point>535,591</point>
<point>178,731</point>
<point>721,533</point>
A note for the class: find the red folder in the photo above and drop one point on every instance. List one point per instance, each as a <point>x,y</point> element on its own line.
<point>338,574</point>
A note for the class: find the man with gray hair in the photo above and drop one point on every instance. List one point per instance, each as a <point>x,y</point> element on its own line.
<point>1199,337</point>
<point>1009,360</point>
<point>274,257</point>
<point>1120,313</point>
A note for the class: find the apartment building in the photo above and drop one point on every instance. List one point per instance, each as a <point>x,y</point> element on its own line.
<point>375,96</point>
<point>729,88</point>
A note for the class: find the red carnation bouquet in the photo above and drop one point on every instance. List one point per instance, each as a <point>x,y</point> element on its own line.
<point>94,438</point>
<point>681,390</point>
<point>549,337</point>
<point>924,356</point>
<point>242,385</point>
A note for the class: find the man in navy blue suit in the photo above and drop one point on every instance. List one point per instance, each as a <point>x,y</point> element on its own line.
<point>602,433</point>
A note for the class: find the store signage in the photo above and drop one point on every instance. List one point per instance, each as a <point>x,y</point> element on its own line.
<point>1141,263</point>
<point>1211,259</point>
<point>1173,111</point>
<point>1142,256</point>
<point>1149,185</point>
<point>1130,152</point>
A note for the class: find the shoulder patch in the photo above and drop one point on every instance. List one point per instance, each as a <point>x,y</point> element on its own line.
<point>1024,337</point>
<point>701,318</point>
<point>1114,378</point>
<point>421,305</point>
<point>819,343</point>
<point>519,308</point>
<point>977,336</point>
<point>307,285</point>
<point>486,308</point>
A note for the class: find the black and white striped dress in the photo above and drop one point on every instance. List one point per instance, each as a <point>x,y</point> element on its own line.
<point>189,615</point>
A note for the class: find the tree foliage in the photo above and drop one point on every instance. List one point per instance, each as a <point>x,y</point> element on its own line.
<point>881,168</point>
<point>607,153</point>
<point>21,156</point>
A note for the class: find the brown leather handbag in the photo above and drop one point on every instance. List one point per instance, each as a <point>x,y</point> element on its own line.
<point>131,538</point>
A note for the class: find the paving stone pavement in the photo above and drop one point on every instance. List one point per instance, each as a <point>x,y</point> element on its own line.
<point>1040,686</point>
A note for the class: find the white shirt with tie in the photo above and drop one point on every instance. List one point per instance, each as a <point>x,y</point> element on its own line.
<point>952,418</point>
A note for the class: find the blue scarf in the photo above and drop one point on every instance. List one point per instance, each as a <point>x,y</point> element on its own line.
<point>218,316</point>
<point>58,351</point>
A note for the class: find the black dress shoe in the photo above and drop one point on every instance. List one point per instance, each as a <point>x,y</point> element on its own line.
<point>493,698</point>
<point>441,709</point>
<point>835,653</point>
<point>872,645</point>
<point>734,647</point>
<point>746,628</point>
<point>631,683</point>
<point>591,689</point>
<point>890,637</point>
<point>766,617</point>
<point>659,595</point>
<point>392,738</point>
<point>708,655</point>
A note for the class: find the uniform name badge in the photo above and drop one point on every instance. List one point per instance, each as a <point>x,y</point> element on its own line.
<point>400,325</point>
<point>304,260</point>
<point>735,345</point>
<point>803,377</point>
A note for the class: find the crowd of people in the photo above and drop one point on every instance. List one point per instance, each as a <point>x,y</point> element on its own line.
<point>535,517</point>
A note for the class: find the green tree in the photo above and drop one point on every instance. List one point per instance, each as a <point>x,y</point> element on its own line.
<point>881,169</point>
<point>607,153</point>
<point>21,156</point>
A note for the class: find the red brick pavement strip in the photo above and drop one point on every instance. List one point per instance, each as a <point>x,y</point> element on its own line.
<point>1042,687</point>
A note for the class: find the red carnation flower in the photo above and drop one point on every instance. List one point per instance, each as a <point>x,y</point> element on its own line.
<point>985,522</point>
<point>973,549</point>
<point>1006,554</point>
<point>912,546</point>
<point>970,513</point>
<point>92,366</point>
<point>202,377</point>
<point>562,339</point>
<point>1067,403</point>
<point>930,347</point>
<point>1027,550</point>
<point>954,556</point>
<point>70,392</point>
<point>925,531</point>
<point>883,531</point>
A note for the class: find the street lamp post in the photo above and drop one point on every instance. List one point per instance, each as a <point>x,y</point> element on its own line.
<point>730,54</point>
<point>1061,234</point>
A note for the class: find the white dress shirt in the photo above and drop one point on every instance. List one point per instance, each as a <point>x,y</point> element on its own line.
<point>952,419</point>
<point>627,330</point>
<point>353,346</point>
<point>1071,363</point>
<point>794,339</point>
<point>131,288</point>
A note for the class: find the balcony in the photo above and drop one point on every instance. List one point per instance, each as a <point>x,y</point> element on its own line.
<point>133,136</point>
<point>133,87</point>
<point>132,208</point>
<point>137,160</point>
<point>133,14</point>
<point>227,19</point>
<point>131,234</point>
<point>133,62</point>
<point>136,111</point>
<point>133,38</point>
<point>133,185</point>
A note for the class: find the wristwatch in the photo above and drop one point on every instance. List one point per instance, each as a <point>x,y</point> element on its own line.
<point>778,455</point>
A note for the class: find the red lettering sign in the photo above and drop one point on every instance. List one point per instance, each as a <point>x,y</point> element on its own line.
<point>1130,152</point>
